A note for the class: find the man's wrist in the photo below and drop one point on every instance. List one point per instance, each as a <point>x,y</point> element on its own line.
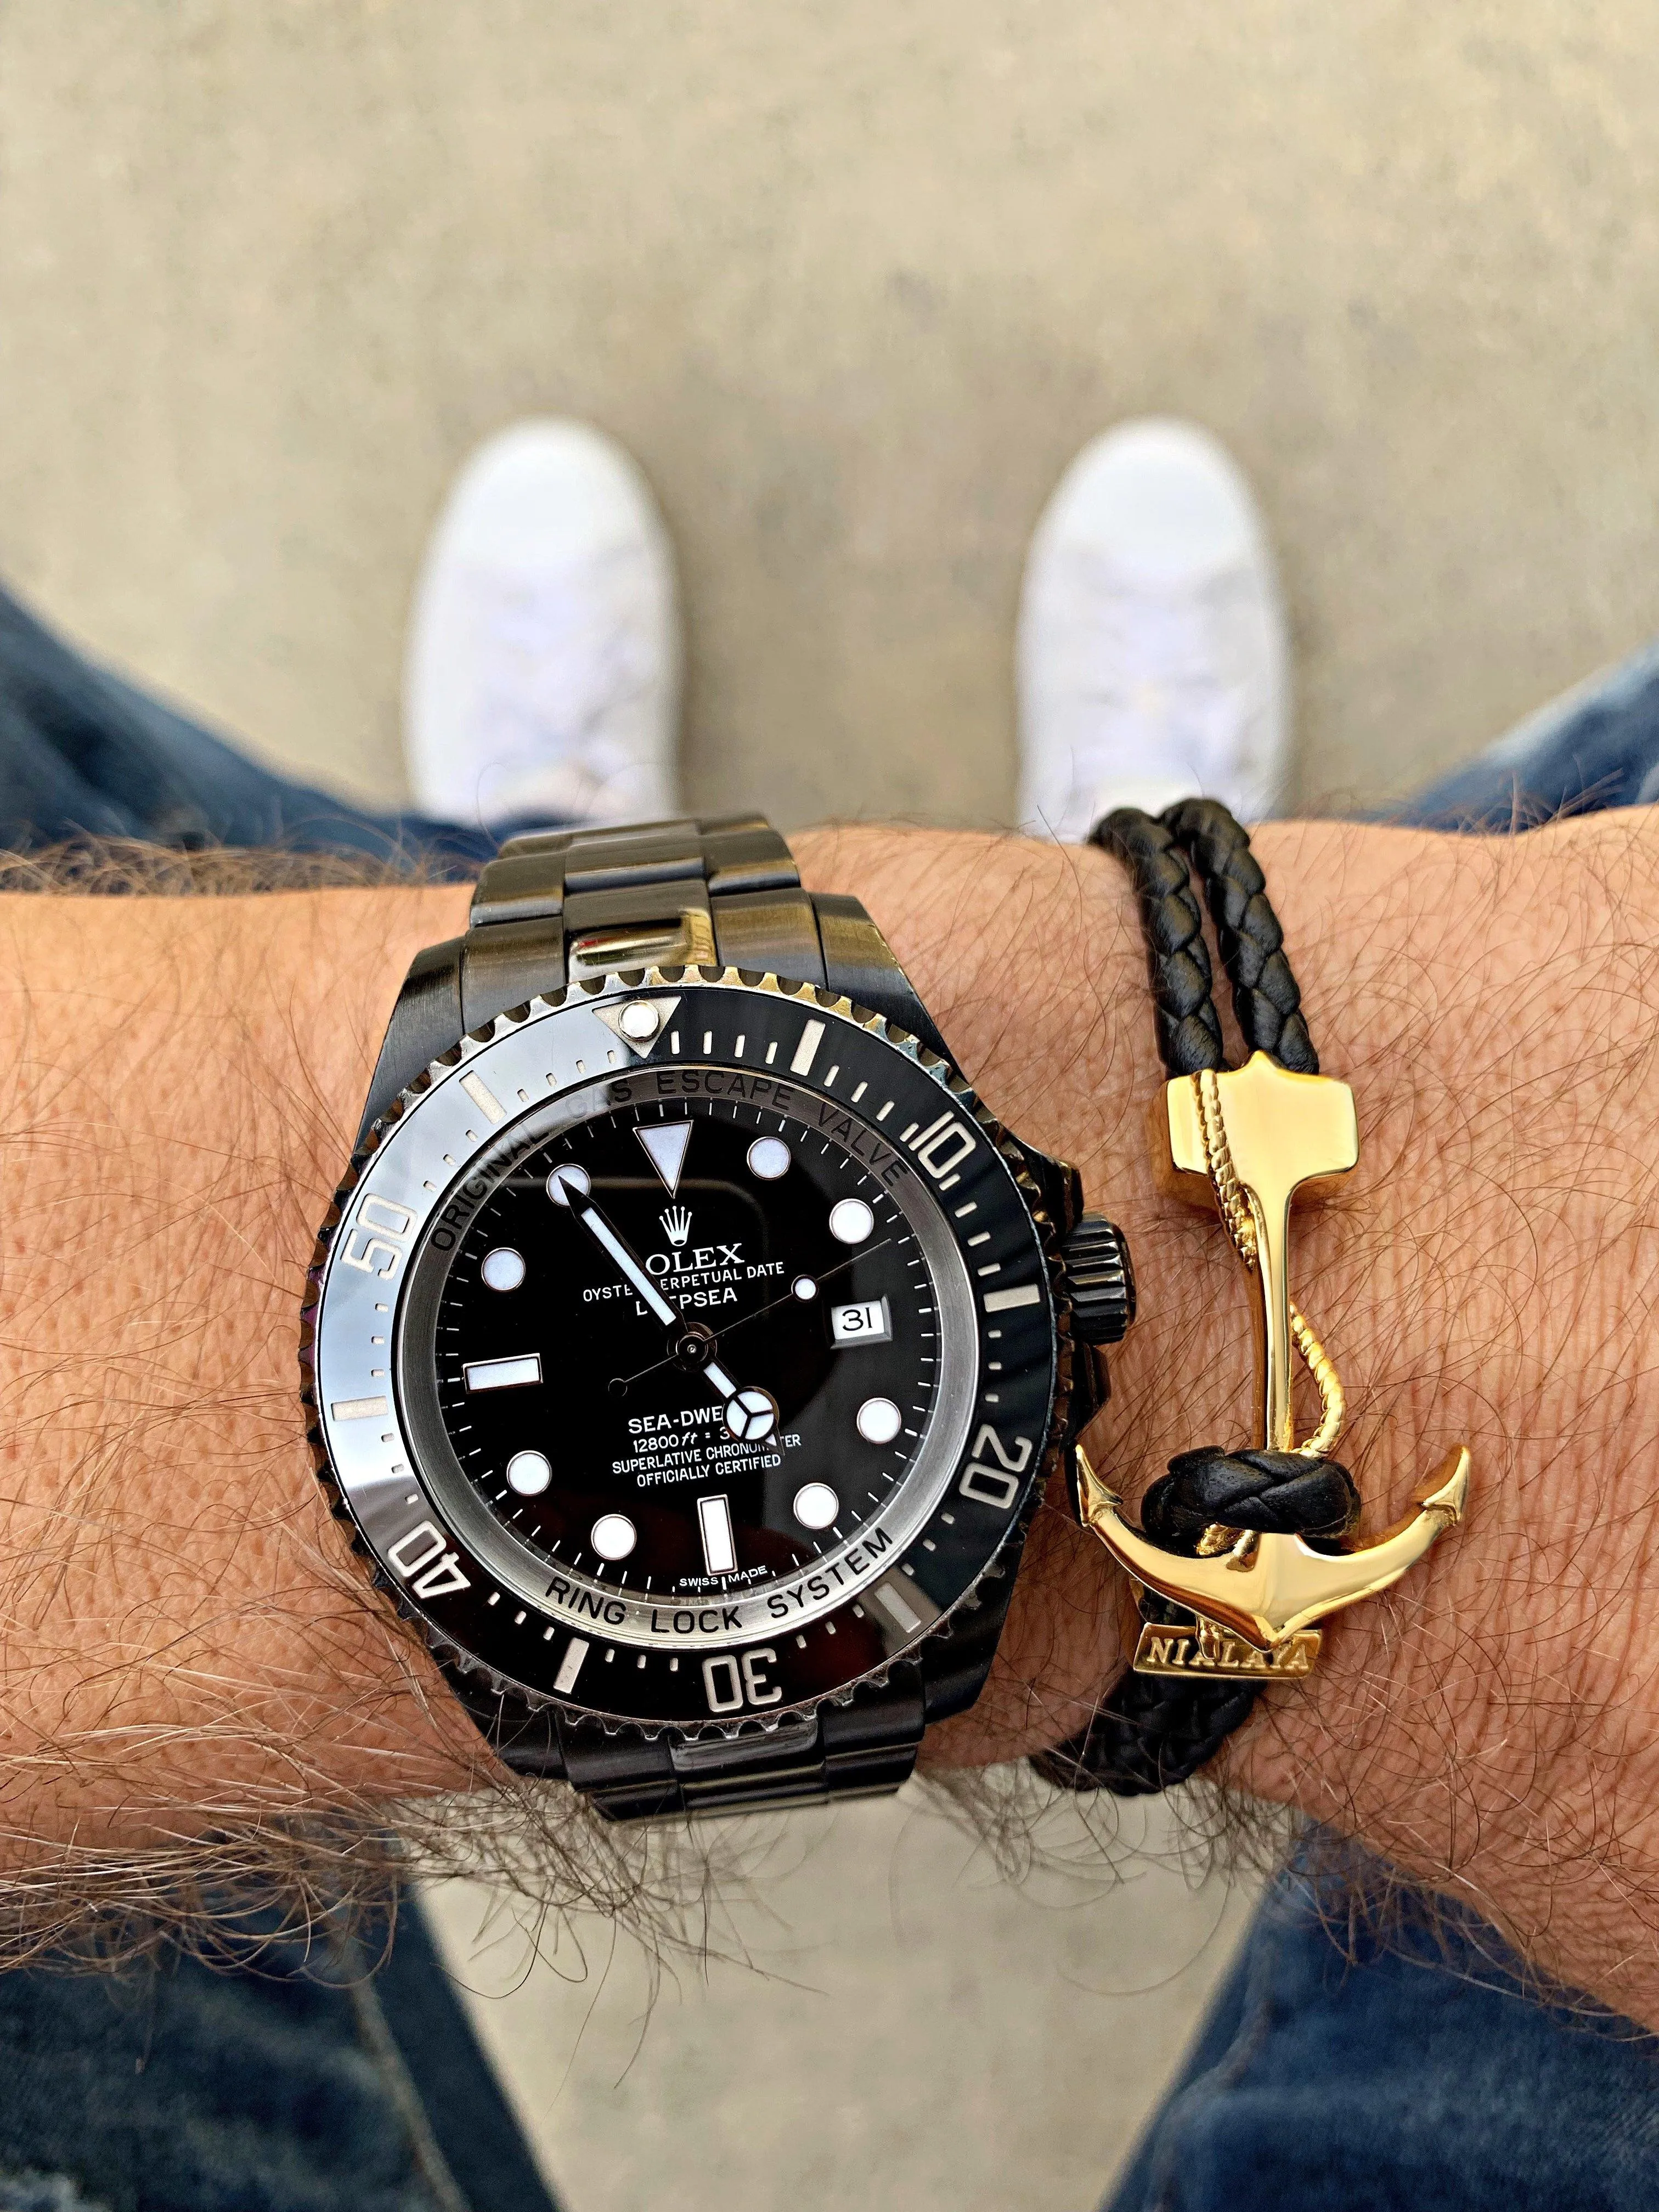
<point>185,1635</point>
<point>1473,1281</point>
<point>186,1638</point>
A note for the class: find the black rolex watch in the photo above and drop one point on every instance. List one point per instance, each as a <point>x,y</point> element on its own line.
<point>686,1345</point>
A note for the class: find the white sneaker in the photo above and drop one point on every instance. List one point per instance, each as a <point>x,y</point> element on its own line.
<point>1152,655</point>
<point>541,672</point>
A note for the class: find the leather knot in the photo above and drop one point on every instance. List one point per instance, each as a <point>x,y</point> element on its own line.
<point>1283,1491</point>
<point>1156,1729</point>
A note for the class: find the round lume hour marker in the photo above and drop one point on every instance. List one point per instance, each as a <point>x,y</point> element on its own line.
<point>503,1269</point>
<point>568,1183</point>
<point>816,1505</point>
<point>879,1421</point>
<point>804,1287</point>
<point>528,1472</point>
<point>768,1159</point>
<point>851,1221</point>
<point>613,1536</point>
<point>641,1020</point>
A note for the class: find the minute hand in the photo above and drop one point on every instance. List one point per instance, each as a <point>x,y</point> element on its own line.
<point>603,1234</point>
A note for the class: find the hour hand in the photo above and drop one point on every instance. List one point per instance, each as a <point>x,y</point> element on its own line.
<point>749,1415</point>
<point>569,1186</point>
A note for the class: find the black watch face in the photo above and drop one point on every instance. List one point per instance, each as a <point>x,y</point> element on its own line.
<point>716,1371</point>
<point>713,1320</point>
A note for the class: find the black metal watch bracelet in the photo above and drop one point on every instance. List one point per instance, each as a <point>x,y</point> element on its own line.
<point>1153,1730</point>
<point>572,907</point>
<point>567,905</point>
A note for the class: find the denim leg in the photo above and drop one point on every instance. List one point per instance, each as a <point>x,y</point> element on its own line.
<point>84,754</point>
<point>1408,2071</point>
<point>304,2083</point>
<point>1596,746</point>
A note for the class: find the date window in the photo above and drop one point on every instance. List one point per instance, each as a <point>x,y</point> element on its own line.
<point>867,1323</point>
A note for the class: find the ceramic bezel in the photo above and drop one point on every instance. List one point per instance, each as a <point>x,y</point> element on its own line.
<point>411,1178</point>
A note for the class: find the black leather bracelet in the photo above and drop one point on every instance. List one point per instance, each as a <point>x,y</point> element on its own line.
<point>1152,1731</point>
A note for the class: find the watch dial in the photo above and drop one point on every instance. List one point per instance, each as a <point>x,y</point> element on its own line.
<point>687,1348</point>
<point>686,1358</point>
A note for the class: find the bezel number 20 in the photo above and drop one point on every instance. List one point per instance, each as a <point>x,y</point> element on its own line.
<point>997,1486</point>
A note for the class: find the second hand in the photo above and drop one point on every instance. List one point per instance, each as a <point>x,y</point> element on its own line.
<point>626,1382</point>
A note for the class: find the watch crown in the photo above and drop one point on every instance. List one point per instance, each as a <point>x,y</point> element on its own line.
<point>1101,1278</point>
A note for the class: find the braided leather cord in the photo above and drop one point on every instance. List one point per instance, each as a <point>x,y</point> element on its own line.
<point>1266,998</point>
<point>1153,1730</point>
<point>1172,922</point>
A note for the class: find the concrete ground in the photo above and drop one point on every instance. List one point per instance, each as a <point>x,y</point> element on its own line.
<point>853,281</point>
<point>854,278</point>
<point>908,2031</point>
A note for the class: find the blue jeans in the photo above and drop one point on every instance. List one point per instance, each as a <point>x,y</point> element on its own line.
<point>307,2081</point>
<point>1407,2069</point>
<point>84,754</point>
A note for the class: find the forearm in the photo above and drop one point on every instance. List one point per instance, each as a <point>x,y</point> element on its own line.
<point>1486,1276</point>
<point>187,1640</point>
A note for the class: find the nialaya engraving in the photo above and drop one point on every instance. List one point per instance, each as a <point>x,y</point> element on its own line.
<point>1208,1649</point>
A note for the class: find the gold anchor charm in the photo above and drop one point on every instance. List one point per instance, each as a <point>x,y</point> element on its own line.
<point>1246,1141</point>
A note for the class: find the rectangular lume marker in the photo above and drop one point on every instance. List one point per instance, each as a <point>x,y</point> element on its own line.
<point>806,1051</point>
<point>904,1616</point>
<point>484,1097</point>
<point>503,1374</point>
<point>360,1409</point>
<point>715,1519</point>
<point>571,1665</point>
<point>1028,1294</point>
